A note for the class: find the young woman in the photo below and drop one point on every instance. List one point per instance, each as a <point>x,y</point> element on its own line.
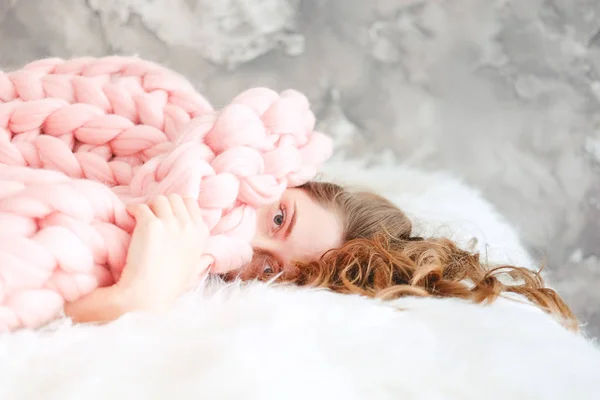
<point>320,234</point>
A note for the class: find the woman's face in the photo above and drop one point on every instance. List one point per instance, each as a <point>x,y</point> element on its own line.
<point>295,229</point>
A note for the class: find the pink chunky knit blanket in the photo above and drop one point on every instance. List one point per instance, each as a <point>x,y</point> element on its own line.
<point>80,139</point>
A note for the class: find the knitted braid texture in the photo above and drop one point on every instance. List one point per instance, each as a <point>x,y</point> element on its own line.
<point>82,138</point>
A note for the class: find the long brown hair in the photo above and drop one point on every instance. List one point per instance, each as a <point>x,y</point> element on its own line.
<point>380,258</point>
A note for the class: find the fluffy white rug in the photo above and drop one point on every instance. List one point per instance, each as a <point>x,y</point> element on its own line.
<point>262,342</point>
<point>268,343</point>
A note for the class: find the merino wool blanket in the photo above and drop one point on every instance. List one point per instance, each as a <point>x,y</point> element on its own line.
<point>82,138</point>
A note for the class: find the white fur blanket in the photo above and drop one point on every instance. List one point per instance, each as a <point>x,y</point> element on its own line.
<point>267,343</point>
<point>263,342</point>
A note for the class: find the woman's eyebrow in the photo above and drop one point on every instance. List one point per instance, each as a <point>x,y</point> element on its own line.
<point>290,226</point>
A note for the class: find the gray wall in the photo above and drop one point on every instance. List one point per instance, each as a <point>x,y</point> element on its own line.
<point>504,94</point>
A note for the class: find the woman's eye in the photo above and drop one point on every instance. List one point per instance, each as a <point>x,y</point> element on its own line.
<point>268,267</point>
<point>279,218</point>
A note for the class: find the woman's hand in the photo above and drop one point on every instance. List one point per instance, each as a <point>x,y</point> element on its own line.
<point>165,255</point>
<point>164,260</point>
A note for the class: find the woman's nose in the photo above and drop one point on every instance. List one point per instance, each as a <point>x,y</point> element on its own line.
<point>261,242</point>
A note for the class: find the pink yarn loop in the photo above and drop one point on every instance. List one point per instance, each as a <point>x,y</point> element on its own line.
<point>82,138</point>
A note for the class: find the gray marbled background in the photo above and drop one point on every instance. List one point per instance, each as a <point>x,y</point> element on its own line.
<point>505,94</point>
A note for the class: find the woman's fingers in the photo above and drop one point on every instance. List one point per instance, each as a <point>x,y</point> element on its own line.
<point>193,210</point>
<point>140,212</point>
<point>161,207</point>
<point>179,208</point>
<point>173,206</point>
